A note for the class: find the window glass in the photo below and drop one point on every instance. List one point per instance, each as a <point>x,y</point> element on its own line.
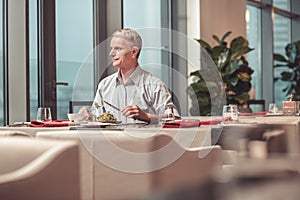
<point>253,20</point>
<point>1,66</point>
<point>33,55</point>
<point>74,42</point>
<point>282,36</point>
<point>143,14</point>
<point>282,4</point>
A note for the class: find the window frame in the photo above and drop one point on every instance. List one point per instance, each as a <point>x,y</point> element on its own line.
<point>5,61</point>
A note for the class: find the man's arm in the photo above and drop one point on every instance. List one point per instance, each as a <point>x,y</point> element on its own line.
<point>135,112</point>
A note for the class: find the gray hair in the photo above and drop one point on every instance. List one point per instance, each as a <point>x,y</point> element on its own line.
<point>130,35</point>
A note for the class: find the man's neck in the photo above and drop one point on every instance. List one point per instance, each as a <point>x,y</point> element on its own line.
<point>125,74</point>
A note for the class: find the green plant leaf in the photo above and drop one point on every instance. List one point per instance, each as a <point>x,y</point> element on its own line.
<point>285,89</point>
<point>204,44</point>
<point>217,39</point>
<point>196,73</point>
<point>226,35</point>
<point>197,87</point>
<point>286,76</point>
<point>242,97</point>
<point>235,72</point>
<point>239,47</point>
<point>232,67</point>
<point>232,80</point>
<point>278,65</point>
<point>279,58</point>
<point>291,52</point>
<point>220,56</point>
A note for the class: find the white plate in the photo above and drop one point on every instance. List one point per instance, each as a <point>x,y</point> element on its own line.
<point>99,124</point>
<point>274,114</point>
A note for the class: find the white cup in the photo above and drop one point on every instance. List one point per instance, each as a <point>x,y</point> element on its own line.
<point>230,111</point>
<point>44,114</point>
<point>76,117</point>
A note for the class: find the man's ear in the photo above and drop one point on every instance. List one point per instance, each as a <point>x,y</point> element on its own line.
<point>135,52</point>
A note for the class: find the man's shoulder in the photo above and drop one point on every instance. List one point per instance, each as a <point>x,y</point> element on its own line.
<point>149,76</point>
<point>152,79</point>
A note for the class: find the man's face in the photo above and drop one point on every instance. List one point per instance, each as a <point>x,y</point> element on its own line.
<point>121,52</point>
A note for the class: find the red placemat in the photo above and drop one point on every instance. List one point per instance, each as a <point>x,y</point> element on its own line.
<point>193,123</point>
<point>55,123</point>
<point>254,114</point>
<point>181,124</point>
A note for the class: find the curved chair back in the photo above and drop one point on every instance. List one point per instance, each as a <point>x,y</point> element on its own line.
<point>38,169</point>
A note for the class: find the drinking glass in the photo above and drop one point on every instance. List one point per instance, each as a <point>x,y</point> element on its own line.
<point>232,112</point>
<point>273,108</point>
<point>297,107</point>
<point>168,114</point>
<point>44,114</point>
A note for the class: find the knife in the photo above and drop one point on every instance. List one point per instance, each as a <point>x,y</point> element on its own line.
<point>118,109</point>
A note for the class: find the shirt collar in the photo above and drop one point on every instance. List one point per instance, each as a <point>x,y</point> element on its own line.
<point>134,77</point>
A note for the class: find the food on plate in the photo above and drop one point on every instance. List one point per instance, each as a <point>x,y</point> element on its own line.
<point>107,117</point>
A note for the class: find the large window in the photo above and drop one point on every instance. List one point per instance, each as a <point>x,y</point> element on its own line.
<point>73,21</point>
<point>253,17</point>
<point>282,36</point>
<point>282,4</point>
<point>152,15</point>
<point>33,57</point>
<point>74,42</point>
<point>269,29</point>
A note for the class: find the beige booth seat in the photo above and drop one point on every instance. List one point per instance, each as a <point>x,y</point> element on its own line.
<point>115,165</point>
<point>7,133</point>
<point>31,131</point>
<point>43,169</point>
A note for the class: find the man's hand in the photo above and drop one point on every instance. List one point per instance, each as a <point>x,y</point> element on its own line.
<point>133,111</point>
<point>88,115</point>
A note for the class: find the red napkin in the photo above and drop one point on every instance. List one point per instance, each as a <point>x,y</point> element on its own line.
<point>253,114</point>
<point>212,122</point>
<point>55,123</point>
<point>189,124</point>
<point>181,124</point>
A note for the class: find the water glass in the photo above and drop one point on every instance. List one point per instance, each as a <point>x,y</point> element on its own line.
<point>232,112</point>
<point>168,114</point>
<point>273,108</point>
<point>44,114</point>
<point>297,107</point>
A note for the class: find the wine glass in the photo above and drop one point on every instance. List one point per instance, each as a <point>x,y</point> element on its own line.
<point>44,114</point>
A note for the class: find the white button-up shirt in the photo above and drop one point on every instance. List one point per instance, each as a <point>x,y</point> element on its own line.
<point>142,89</point>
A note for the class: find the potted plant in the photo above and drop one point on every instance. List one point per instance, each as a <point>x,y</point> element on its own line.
<point>234,70</point>
<point>291,62</point>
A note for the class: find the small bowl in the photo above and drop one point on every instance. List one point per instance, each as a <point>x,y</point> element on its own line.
<point>76,117</point>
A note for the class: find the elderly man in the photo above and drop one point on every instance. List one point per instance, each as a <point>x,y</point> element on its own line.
<point>138,94</point>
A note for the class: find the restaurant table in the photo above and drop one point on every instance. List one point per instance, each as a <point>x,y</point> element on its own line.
<point>290,124</point>
<point>128,139</point>
<point>93,173</point>
<point>252,180</point>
